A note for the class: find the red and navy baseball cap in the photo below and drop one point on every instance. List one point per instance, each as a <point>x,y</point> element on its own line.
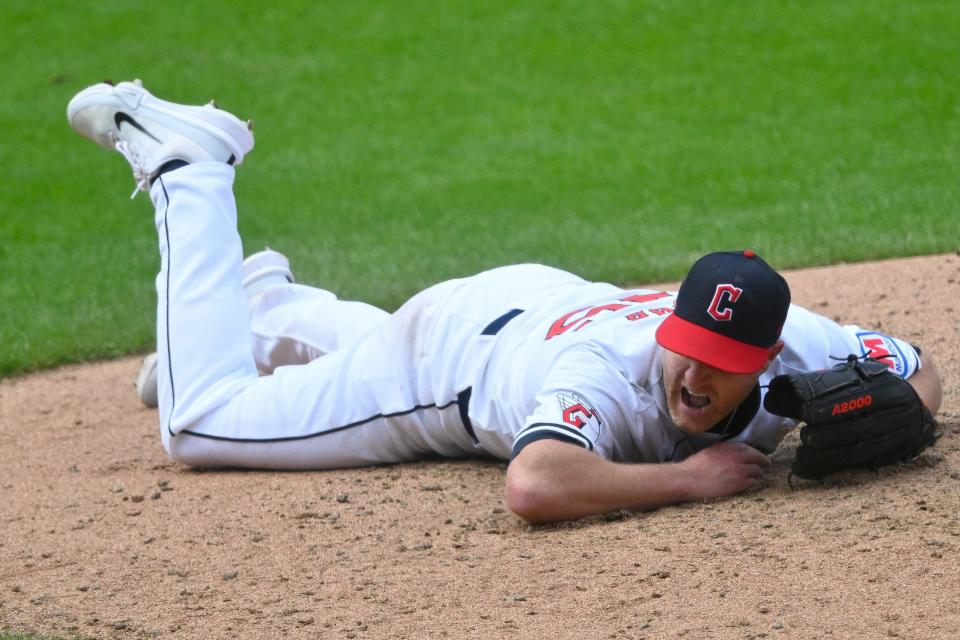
<point>730,310</point>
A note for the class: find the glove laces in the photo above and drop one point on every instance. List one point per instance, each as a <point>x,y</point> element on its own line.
<point>865,357</point>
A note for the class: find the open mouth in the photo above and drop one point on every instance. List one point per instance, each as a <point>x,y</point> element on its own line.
<point>692,400</point>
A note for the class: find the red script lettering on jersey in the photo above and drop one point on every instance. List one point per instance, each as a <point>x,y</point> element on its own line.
<point>580,318</point>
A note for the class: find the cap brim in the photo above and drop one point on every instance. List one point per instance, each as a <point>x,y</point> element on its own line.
<point>726,354</point>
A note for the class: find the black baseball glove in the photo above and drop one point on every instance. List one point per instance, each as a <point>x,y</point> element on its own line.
<point>857,414</point>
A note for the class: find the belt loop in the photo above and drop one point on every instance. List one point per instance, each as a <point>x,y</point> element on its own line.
<point>494,327</point>
<point>463,405</point>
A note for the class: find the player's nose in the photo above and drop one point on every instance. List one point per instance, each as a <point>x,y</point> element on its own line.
<point>697,375</point>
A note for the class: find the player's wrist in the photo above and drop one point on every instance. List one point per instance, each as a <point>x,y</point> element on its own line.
<point>670,483</point>
<point>687,484</point>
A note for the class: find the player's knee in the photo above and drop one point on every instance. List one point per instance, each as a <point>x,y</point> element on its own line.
<point>185,450</point>
<point>175,450</point>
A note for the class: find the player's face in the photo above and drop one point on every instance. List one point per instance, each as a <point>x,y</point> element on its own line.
<point>698,395</point>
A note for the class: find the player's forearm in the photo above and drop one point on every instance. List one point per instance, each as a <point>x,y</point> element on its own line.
<point>927,384</point>
<point>551,481</point>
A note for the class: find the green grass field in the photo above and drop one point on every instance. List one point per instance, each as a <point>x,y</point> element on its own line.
<point>399,144</point>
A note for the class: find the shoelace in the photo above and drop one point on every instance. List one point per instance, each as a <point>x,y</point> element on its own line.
<point>137,161</point>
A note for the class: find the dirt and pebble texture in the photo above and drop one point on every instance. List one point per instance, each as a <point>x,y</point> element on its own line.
<point>102,536</point>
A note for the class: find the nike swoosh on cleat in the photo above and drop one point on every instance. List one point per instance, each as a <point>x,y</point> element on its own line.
<point>120,116</point>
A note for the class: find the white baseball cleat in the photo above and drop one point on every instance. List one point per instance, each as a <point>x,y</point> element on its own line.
<point>260,270</point>
<point>151,132</point>
<point>147,381</point>
<point>265,269</point>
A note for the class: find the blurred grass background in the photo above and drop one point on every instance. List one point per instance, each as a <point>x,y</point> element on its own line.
<point>399,144</point>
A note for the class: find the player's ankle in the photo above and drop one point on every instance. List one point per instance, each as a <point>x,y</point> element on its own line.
<point>166,167</point>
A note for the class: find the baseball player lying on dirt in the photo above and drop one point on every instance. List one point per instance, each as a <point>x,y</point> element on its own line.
<point>600,397</point>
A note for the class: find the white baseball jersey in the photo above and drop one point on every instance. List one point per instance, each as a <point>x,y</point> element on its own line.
<point>583,366</point>
<point>476,366</point>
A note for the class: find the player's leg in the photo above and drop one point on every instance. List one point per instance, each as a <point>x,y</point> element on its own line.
<point>203,333</point>
<point>295,324</point>
<point>156,136</point>
<point>292,323</point>
<point>262,270</point>
<point>289,323</point>
<point>358,405</point>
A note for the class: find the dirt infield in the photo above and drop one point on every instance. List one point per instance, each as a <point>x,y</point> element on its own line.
<point>102,536</point>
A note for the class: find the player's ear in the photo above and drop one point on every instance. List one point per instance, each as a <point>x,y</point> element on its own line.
<point>774,352</point>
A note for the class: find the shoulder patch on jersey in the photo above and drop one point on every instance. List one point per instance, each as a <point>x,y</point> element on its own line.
<point>576,411</point>
<point>899,355</point>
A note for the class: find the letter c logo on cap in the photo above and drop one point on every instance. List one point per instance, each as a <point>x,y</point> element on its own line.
<point>732,294</point>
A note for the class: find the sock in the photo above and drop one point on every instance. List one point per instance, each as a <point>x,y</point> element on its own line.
<point>170,165</point>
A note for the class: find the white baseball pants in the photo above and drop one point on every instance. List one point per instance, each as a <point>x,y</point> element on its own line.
<point>372,400</point>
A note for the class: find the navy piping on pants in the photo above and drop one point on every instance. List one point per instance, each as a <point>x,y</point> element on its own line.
<point>166,230</point>
<point>327,432</point>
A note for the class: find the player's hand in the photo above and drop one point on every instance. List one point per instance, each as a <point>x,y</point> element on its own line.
<point>724,469</point>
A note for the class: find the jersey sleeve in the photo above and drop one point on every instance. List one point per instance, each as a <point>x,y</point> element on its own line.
<point>583,401</point>
<point>901,357</point>
<point>812,341</point>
